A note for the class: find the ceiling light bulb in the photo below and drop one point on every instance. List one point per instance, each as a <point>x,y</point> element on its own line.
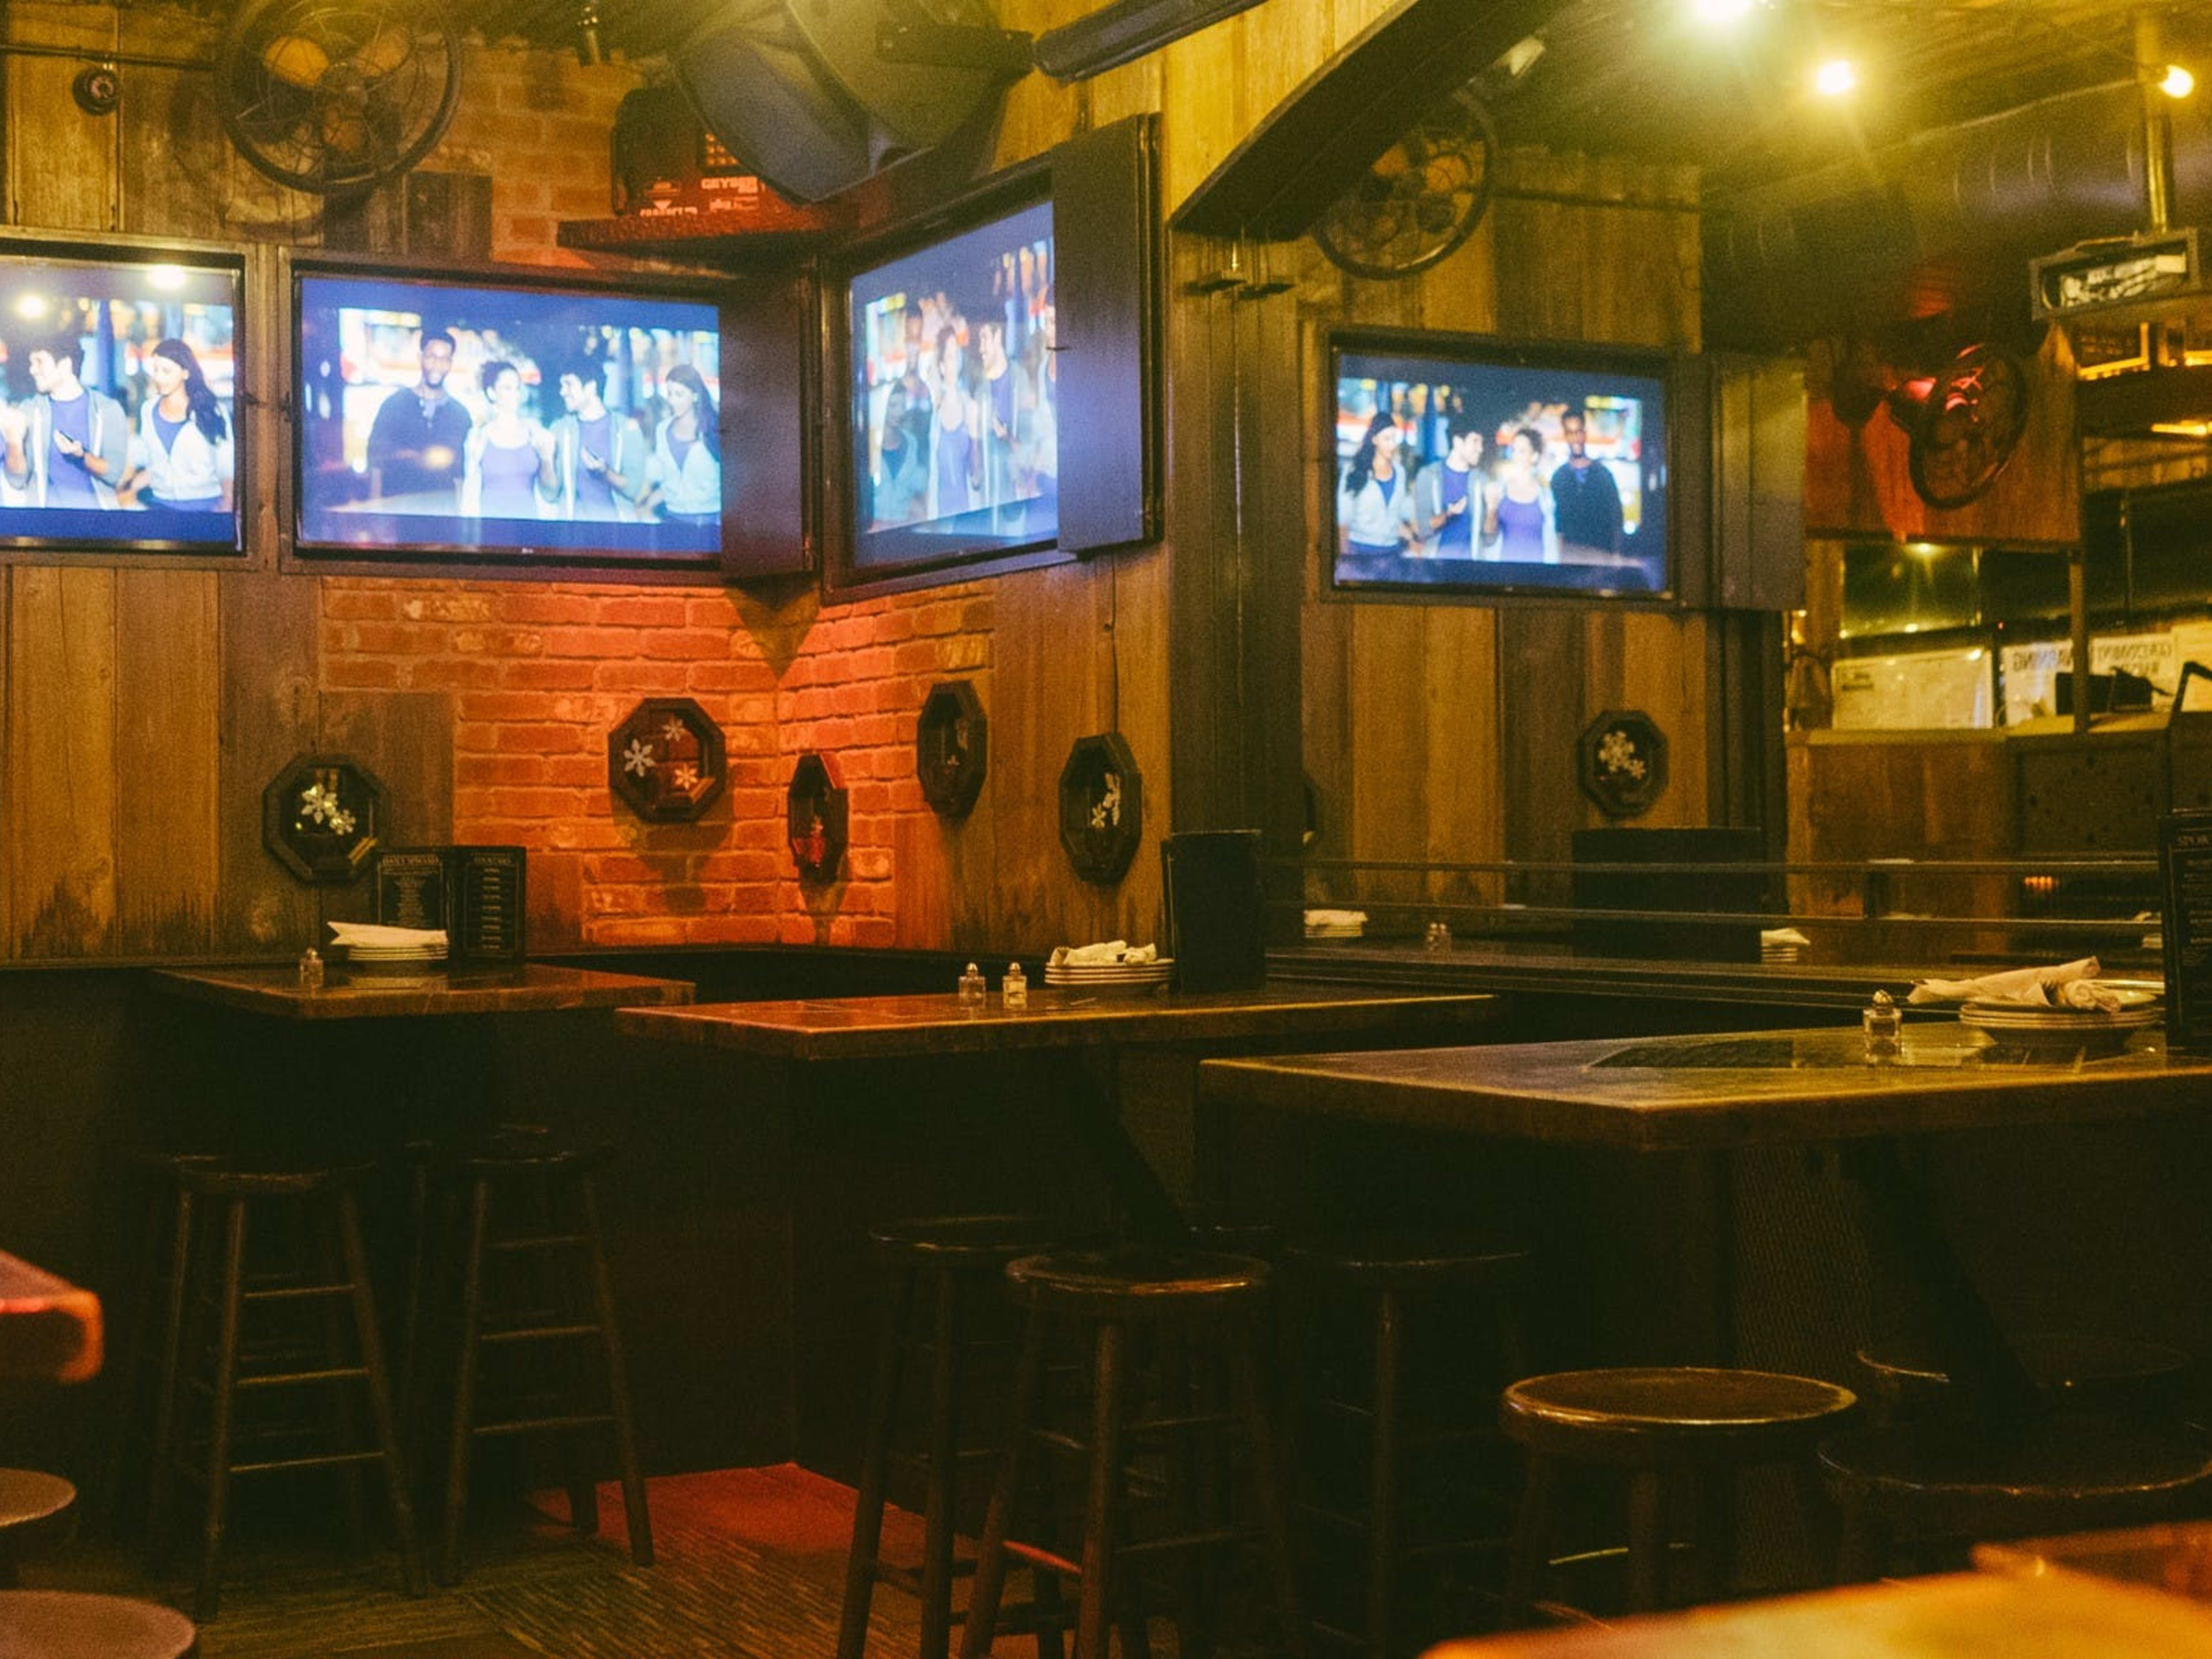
<point>2178,82</point>
<point>1835,77</point>
<point>1722,12</point>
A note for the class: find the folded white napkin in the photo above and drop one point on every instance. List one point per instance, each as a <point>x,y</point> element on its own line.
<point>1336,918</point>
<point>365,933</point>
<point>2066,986</point>
<point>1114,949</point>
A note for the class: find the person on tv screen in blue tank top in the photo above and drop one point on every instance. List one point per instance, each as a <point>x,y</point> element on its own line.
<point>1518,508</point>
<point>68,446</point>
<point>186,455</point>
<point>508,459</point>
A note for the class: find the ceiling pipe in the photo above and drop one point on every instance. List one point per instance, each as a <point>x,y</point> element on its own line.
<point>1947,220</point>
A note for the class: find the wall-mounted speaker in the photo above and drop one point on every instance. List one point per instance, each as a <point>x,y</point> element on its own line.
<point>798,90</point>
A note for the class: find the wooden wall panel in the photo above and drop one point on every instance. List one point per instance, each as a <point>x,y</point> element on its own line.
<point>407,741</point>
<point>60,792</point>
<point>269,700</point>
<point>169,683</point>
<point>67,178</point>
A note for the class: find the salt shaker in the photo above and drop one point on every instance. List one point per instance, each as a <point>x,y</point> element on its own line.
<point>971,986</point>
<point>1014,988</point>
<point>311,970</point>
<point>1881,1022</point>
<point>1436,938</point>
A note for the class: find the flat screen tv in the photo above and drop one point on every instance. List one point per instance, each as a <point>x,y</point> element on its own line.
<point>118,372</point>
<point>509,421</point>
<point>1482,466</point>
<point>996,359</point>
<point>955,396</point>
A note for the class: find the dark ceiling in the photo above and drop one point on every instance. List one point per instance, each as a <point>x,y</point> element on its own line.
<point>1646,78</point>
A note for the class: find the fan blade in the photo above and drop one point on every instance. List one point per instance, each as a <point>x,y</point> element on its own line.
<point>384,51</point>
<point>344,130</point>
<point>296,60</point>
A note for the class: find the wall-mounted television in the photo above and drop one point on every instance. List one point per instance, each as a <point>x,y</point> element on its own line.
<point>516,420</point>
<point>997,359</point>
<point>1463,463</point>
<point>120,369</point>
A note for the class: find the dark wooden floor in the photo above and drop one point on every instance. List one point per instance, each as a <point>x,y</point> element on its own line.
<point>751,1563</point>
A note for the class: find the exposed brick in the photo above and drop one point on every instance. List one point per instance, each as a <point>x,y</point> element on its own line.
<point>579,674</point>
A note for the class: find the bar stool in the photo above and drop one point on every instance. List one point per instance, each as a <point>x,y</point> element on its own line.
<point>2071,1370</point>
<point>68,1625</point>
<point>315,1266</point>
<point>1191,1313</point>
<point>31,1505</point>
<point>1665,1427</point>
<point>944,1271</point>
<point>1399,1282</point>
<point>1941,1486</point>
<point>532,1206</point>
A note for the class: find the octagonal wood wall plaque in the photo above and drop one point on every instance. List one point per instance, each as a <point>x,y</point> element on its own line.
<point>1101,807</point>
<point>816,819</point>
<point>1621,761</point>
<point>666,762</point>
<point>951,748</point>
<point>321,818</point>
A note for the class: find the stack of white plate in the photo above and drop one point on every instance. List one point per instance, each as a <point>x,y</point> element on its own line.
<point>2061,1029</point>
<point>1106,976</point>
<point>395,958</point>
<point>1335,924</point>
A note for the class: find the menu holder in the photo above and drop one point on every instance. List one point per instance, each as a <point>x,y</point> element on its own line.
<point>2184,870</point>
<point>478,895</point>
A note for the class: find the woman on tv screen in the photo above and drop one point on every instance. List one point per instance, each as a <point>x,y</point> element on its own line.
<point>186,457</point>
<point>1518,510</point>
<point>509,457</point>
<point>686,470</point>
<point>1376,505</point>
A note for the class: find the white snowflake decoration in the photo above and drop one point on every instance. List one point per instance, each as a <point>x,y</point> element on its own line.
<point>317,803</point>
<point>638,757</point>
<point>682,775</point>
<point>340,821</point>
<point>1617,753</point>
<point>674,731</point>
<point>1107,809</point>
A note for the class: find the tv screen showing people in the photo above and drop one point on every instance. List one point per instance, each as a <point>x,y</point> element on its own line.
<point>438,417</point>
<point>955,449</point>
<point>117,392</point>
<point>1499,475</point>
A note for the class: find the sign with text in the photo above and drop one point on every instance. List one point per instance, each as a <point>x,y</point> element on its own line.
<point>2185,868</point>
<point>2125,272</point>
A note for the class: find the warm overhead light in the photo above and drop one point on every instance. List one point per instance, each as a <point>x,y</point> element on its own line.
<point>1722,12</point>
<point>2178,82</point>
<point>31,306</point>
<point>1835,77</point>
<point>168,279</point>
<point>2183,428</point>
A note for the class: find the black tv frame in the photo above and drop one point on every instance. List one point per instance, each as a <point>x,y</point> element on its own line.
<point>154,551</point>
<point>1106,258</point>
<point>779,522</point>
<point>1683,392</point>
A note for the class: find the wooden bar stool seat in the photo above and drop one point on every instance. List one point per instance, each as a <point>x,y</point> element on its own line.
<point>1666,1427</point>
<point>1401,1286</point>
<point>533,1285</point>
<point>283,1310</point>
<point>946,1271</point>
<point>1944,1484</point>
<point>2075,1370</point>
<point>1195,1317</point>
<point>67,1625</point>
<point>31,1503</point>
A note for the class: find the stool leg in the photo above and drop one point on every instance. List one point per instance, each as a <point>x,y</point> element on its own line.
<point>1105,1479</point>
<point>165,1382</point>
<point>1267,1486</point>
<point>1383,1501</point>
<point>633,1482</point>
<point>940,1523</point>
<point>860,1561</point>
<point>1647,1539</point>
<point>1532,1542</point>
<point>465,1383</point>
<point>322,1251</point>
<point>371,1338</point>
<point>232,1291</point>
<point>991,1553</point>
<point>1714,1551</point>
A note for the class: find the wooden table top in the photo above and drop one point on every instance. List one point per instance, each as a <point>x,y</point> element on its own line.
<point>2176,1557</point>
<point>531,988</point>
<point>874,1028</point>
<point>48,1328</point>
<point>1709,1092</point>
<point>1957,1616</point>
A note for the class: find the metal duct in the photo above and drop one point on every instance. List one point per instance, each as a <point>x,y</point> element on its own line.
<point>1947,220</point>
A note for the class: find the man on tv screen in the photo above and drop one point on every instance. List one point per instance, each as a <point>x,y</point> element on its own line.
<point>598,457</point>
<point>416,443</point>
<point>68,446</point>
<point>1585,496</point>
